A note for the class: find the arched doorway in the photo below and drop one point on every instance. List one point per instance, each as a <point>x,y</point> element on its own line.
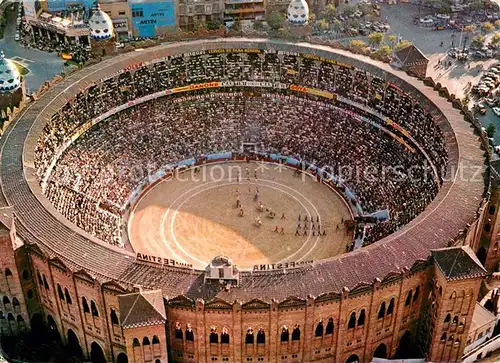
<point>54,332</point>
<point>96,353</point>
<point>352,359</point>
<point>404,348</point>
<point>122,358</point>
<point>381,351</point>
<point>74,345</point>
<point>37,325</point>
<point>481,255</point>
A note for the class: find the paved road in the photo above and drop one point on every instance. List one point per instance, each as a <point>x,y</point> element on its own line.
<point>42,65</point>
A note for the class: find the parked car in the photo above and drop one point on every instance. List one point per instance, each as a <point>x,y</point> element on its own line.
<point>17,37</point>
<point>496,111</point>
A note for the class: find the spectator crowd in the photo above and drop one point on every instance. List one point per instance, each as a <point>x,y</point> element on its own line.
<point>92,181</point>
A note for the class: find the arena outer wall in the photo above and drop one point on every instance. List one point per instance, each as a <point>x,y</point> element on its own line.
<point>49,254</point>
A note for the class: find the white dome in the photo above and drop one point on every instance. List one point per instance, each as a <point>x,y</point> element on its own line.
<point>298,12</point>
<point>101,26</point>
<point>10,79</point>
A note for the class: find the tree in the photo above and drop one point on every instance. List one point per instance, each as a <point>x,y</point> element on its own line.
<point>213,25</point>
<point>236,26</point>
<point>330,11</point>
<point>487,27</point>
<point>357,44</point>
<point>375,39</point>
<point>476,5</point>
<point>490,130</point>
<point>323,25</point>
<point>495,41</point>
<point>275,20</point>
<point>284,32</point>
<point>257,25</point>
<point>477,42</point>
<point>384,51</point>
<point>403,44</point>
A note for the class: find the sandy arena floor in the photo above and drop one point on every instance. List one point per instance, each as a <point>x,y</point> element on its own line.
<point>193,217</point>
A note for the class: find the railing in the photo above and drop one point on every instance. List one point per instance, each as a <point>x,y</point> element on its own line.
<point>483,349</point>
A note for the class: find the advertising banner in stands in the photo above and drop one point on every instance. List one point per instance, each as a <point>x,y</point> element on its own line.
<point>148,17</point>
<point>396,127</point>
<point>313,91</point>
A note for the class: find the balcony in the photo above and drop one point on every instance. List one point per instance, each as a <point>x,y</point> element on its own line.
<point>257,9</point>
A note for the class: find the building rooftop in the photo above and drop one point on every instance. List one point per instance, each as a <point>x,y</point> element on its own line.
<point>142,309</point>
<point>458,263</point>
<point>481,317</point>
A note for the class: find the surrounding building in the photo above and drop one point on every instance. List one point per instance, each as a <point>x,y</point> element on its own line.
<point>194,13</point>
<point>244,10</point>
<point>483,324</point>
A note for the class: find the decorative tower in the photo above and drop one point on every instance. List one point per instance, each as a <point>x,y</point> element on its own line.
<point>102,35</point>
<point>14,318</point>
<point>143,325</point>
<point>298,18</point>
<point>12,89</point>
<point>457,279</point>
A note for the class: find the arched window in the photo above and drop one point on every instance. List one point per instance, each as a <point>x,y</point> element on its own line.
<point>156,340</point>
<point>178,331</point>
<point>2,316</point>
<point>261,336</point>
<point>440,291</point>
<point>8,272</point>
<point>453,295</point>
<point>189,334</point>
<point>224,337</point>
<point>329,327</point>
<point>15,304</point>
<point>60,292</point>
<point>352,321</point>
<point>214,337</point>
<point>285,335</point>
<point>6,301</point>
<point>390,309</point>
<point>40,281</point>
<point>136,343</point>
<point>85,305</point>
<point>443,337</point>
<point>455,320</point>
<point>457,341</point>
<point>361,319</point>
<point>45,284</point>
<point>249,338</point>
<point>67,296</point>
<point>408,298</point>
<point>381,311</point>
<point>447,319</point>
<point>20,319</point>
<point>450,338</point>
<point>114,317</point>
<point>319,329</point>
<point>491,210</point>
<point>417,292</point>
<point>145,341</point>
<point>296,333</point>
<point>93,308</point>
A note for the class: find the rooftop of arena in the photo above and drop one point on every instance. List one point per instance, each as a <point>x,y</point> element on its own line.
<point>37,221</point>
